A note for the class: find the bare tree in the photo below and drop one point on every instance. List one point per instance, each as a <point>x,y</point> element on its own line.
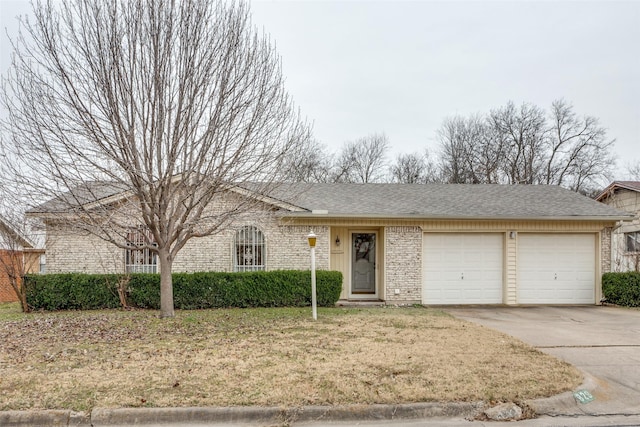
<point>310,162</point>
<point>578,153</point>
<point>469,151</point>
<point>524,145</point>
<point>413,168</point>
<point>362,160</point>
<point>633,171</point>
<point>521,132</point>
<point>146,113</point>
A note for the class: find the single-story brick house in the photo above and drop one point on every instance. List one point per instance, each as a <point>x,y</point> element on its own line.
<point>400,243</point>
<point>625,238</point>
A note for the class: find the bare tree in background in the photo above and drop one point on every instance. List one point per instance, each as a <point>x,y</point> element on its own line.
<point>521,132</point>
<point>633,171</point>
<point>470,154</point>
<point>524,145</point>
<point>362,160</point>
<point>167,104</point>
<point>578,153</point>
<point>310,162</point>
<point>413,168</point>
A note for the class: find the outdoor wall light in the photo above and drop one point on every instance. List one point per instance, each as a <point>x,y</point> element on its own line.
<point>337,240</point>
<point>312,239</point>
<point>512,234</point>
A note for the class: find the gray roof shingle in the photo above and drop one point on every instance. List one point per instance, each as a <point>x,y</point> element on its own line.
<point>438,201</point>
<point>416,201</point>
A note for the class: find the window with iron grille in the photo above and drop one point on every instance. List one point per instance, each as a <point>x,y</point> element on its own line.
<point>633,241</point>
<point>140,258</point>
<point>249,253</point>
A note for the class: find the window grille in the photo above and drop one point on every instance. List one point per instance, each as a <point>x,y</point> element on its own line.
<point>140,259</point>
<point>249,253</point>
<point>633,241</point>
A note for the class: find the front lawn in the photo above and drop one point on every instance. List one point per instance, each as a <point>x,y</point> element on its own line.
<point>271,357</point>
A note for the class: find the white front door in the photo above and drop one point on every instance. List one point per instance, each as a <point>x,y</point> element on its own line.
<point>462,268</point>
<point>556,268</point>
<point>363,264</point>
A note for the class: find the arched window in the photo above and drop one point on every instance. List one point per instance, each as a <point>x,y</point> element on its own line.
<point>139,258</point>
<point>249,249</point>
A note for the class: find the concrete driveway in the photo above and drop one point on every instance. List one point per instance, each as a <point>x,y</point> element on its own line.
<point>604,342</point>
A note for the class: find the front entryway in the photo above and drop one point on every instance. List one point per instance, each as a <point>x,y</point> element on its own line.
<point>363,264</point>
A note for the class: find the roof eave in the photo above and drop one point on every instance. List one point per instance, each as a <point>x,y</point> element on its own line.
<point>611,187</point>
<point>418,217</point>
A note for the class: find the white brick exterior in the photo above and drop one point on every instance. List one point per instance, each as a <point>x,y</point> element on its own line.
<point>403,264</point>
<point>286,248</point>
<point>69,251</point>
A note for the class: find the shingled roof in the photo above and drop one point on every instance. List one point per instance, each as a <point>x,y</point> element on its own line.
<point>445,201</point>
<point>611,188</point>
<point>413,201</point>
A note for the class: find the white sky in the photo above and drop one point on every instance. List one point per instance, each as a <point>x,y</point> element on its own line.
<point>359,67</point>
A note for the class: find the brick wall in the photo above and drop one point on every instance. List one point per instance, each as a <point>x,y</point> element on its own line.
<point>286,248</point>
<point>403,264</point>
<point>7,294</point>
<point>605,250</point>
<point>71,251</point>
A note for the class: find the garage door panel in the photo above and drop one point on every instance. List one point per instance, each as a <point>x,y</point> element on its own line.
<point>556,268</point>
<point>462,268</point>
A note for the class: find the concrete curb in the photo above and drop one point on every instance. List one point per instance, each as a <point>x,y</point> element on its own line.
<point>564,403</point>
<point>239,415</point>
<point>43,418</point>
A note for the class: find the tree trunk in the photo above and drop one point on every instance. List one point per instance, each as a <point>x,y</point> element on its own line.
<point>21,291</point>
<point>166,284</point>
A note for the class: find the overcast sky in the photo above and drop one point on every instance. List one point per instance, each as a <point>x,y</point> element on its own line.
<point>360,67</point>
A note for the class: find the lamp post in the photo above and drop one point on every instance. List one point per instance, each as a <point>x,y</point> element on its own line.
<point>312,244</point>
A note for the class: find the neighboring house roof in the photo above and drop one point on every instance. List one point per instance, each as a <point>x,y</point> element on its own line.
<point>627,185</point>
<point>447,201</point>
<point>8,231</point>
<point>414,201</point>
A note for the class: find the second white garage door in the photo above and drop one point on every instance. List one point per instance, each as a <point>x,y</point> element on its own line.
<point>462,268</point>
<point>556,268</point>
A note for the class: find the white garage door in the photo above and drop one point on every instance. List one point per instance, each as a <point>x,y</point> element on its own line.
<point>556,268</point>
<point>462,268</point>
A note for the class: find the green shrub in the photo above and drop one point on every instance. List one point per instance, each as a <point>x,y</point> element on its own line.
<point>622,288</point>
<point>282,288</point>
<point>73,291</point>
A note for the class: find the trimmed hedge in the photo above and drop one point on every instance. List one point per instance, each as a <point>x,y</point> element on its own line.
<point>622,288</point>
<point>282,288</point>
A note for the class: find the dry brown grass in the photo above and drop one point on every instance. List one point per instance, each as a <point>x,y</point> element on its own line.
<point>83,360</point>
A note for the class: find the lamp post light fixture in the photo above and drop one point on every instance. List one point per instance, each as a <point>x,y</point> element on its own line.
<point>312,244</point>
